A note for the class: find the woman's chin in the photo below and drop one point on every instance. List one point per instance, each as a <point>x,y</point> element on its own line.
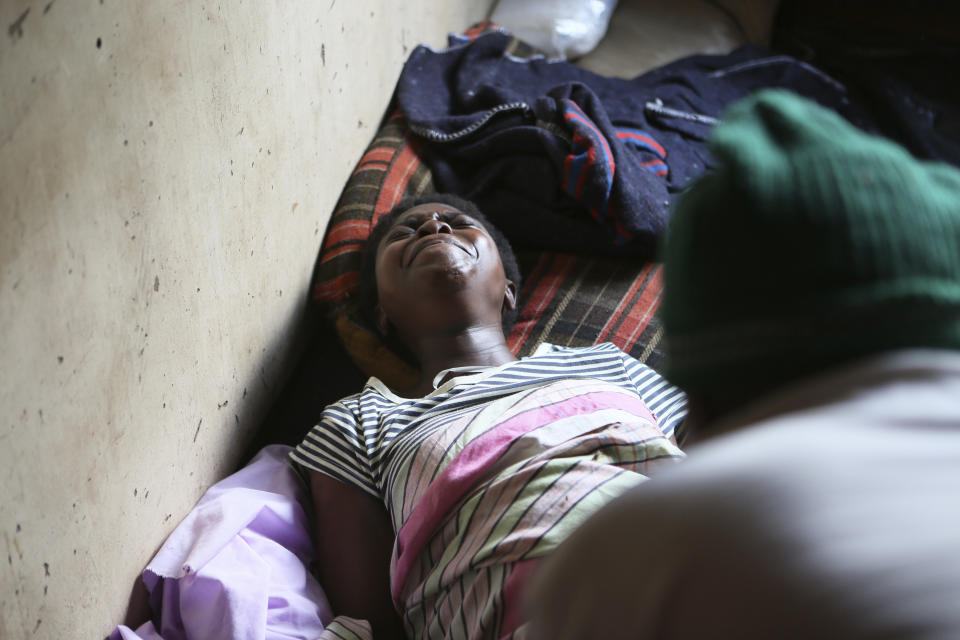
<point>444,268</point>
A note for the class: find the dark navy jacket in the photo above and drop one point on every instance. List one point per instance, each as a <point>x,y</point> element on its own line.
<point>561,158</point>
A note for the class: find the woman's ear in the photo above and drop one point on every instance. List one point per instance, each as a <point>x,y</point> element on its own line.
<point>510,296</point>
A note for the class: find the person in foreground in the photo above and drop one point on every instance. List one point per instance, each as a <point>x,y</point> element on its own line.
<point>812,314</point>
<point>434,505</point>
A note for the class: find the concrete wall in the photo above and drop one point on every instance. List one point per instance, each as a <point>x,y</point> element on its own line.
<point>166,172</point>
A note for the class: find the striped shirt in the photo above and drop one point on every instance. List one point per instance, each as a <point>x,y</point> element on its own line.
<point>492,470</point>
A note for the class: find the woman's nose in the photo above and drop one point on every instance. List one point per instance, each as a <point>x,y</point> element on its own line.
<point>433,225</point>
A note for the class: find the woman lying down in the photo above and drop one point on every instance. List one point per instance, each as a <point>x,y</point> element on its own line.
<point>434,505</point>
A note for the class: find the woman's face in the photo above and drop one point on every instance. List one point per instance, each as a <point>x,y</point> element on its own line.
<point>437,266</point>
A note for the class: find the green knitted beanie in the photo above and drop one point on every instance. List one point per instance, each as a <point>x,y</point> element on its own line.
<point>813,243</point>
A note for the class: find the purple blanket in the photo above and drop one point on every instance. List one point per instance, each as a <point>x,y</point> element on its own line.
<point>236,567</point>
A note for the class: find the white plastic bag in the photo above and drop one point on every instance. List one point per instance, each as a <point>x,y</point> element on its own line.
<point>559,28</point>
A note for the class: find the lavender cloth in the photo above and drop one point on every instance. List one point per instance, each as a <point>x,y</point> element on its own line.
<point>236,567</point>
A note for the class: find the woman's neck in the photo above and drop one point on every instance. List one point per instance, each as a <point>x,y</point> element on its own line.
<point>482,346</point>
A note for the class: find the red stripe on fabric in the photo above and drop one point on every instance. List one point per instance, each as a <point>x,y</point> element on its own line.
<point>348,230</point>
<point>617,223</point>
<point>641,313</point>
<point>367,166</point>
<point>333,253</point>
<point>646,139</point>
<point>381,154</point>
<point>582,117</point>
<point>470,465</point>
<point>591,160</point>
<point>396,180</point>
<point>336,289</point>
<point>621,231</point>
<point>478,29</point>
<point>623,304</point>
<point>376,156</point>
<point>559,268</point>
<point>662,171</point>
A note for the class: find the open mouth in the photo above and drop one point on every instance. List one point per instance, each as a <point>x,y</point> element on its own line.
<point>431,241</point>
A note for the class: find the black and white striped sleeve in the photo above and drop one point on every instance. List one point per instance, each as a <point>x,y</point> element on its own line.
<point>335,447</point>
<point>665,400</point>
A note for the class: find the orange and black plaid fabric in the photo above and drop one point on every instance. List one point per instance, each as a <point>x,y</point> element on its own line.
<point>575,301</point>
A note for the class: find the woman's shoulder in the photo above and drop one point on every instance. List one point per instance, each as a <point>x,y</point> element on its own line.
<point>374,396</point>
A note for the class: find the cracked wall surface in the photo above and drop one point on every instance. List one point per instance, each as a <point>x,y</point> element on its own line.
<point>166,173</point>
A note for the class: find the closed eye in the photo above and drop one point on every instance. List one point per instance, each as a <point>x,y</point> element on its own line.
<point>399,232</point>
<point>460,221</point>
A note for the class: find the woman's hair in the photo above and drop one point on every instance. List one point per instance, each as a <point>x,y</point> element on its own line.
<point>367,298</point>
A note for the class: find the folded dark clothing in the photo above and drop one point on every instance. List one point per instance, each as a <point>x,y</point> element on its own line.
<point>564,159</point>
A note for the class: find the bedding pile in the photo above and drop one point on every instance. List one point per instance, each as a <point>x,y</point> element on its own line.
<point>237,567</point>
<point>545,145</point>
